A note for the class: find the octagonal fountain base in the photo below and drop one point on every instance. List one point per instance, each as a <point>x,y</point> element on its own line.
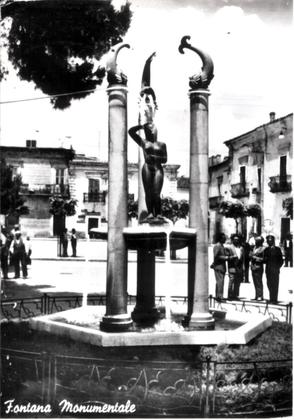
<point>83,324</point>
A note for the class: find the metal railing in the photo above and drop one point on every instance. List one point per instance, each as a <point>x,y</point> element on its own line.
<point>73,385</point>
<point>278,311</point>
<point>280,183</point>
<point>45,189</point>
<point>94,197</point>
<point>52,303</point>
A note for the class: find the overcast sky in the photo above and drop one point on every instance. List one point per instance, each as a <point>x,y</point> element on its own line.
<point>250,42</point>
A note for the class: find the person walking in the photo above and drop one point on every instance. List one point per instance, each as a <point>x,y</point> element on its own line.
<point>17,249</point>
<point>288,250</point>
<point>4,246</point>
<point>73,241</point>
<point>273,259</point>
<point>219,265</point>
<point>235,267</point>
<point>257,259</point>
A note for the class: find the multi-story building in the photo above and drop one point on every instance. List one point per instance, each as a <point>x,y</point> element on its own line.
<point>48,172</point>
<point>44,172</point>
<point>260,172</point>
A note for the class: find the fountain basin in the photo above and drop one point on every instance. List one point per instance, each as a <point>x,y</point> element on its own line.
<point>82,324</point>
<point>155,237</point>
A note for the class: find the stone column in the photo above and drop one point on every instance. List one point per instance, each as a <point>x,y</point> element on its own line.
<point>200,316</point>
<point>116,317</point>
<point>198,311</point>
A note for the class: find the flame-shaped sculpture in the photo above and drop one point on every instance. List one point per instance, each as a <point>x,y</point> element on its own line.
<point>115,76</point>
<point>146,72</point>
<point>203,79</point>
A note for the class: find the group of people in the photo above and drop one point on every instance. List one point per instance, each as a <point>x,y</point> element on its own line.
<point>232,258</point>
<point>15,252</point>
<point>65,238</point>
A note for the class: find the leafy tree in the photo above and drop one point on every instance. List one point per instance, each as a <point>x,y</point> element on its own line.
<point>288,207</point>
<point>61,207</point>
<point>233,209</point>
<point>253,210</point>
<point>11,202</point>
<point>173,209</point>
<point>57,44</point>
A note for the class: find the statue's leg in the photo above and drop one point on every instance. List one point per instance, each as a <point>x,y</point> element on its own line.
<point>147,177</point>
<point>157,187</point>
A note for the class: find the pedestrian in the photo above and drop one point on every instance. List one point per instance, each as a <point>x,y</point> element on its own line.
<point>273,258</point>
<point>219,265</point>
<point>28,248</point>
<point>257,260</point>
<point>64,241</point>
<point>17,249</point>
<point>73,240</point>
<point>247,249</point>
<point>288,250</point>
<point>235,266</point>
<point>4,249</point>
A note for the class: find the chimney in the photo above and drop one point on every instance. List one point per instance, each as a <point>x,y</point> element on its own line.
<point>31,143</point>
<point>272,116</point>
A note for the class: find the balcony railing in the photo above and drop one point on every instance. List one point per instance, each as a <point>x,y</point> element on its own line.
<point>45,189</point>
<point>214,202</point>
<point>280,183</point>
<point>239,190</point>
<point>94,197</point>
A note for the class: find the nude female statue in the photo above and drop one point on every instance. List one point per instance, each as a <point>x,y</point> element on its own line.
<point>155,153</point>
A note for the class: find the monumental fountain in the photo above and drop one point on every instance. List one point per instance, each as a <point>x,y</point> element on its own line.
<point>118,324</point>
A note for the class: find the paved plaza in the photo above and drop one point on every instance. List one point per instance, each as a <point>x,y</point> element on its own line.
<point>87,273</point>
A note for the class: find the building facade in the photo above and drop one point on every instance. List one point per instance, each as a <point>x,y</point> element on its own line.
<point>45,173</point>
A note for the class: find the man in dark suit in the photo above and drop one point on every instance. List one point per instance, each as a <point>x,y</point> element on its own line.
<point>219,265</point>
<point>273,259</point>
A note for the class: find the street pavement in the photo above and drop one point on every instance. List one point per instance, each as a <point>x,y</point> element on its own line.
<point>87,273</point>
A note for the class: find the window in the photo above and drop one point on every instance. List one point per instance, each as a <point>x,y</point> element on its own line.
<point>243,176</point>
<point>59,177</point>
<point>283,167</point>
<point>219,184</point>
<point>259,179</point>
<point>94,186</point>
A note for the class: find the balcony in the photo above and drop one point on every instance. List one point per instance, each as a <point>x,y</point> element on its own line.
<point>94,197</point>
<point>280,183</point>
<point>45,189</point>
<point>239,190</point>
<point>214,202</point>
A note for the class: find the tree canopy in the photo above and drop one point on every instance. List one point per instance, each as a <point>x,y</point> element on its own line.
<point>11,202</point>
<point>61,207</point>
<point>57,45</point>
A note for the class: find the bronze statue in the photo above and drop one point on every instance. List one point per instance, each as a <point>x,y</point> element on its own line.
<point>155,153</point>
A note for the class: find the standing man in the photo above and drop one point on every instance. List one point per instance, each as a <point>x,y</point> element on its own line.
<point>4,244</point>
<point>235,267</point>
<point>64,241</point>
<point>73,241</point>
<point>273,259</point>
<point>219,265</point>
<point>257,260</point>
<point>17,248</point>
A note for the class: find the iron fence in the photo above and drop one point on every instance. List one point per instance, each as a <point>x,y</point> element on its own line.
<point>79,386</point>
<point>51,303</point>
<point>277,311</point>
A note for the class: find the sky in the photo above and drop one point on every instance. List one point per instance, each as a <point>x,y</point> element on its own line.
<point>249,42</point>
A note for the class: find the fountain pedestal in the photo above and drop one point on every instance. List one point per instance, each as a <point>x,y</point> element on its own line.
<point>145,239</point>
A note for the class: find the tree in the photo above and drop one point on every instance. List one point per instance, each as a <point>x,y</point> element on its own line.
<point>173,209</point>
<point>233,209</point>
<point>57,44</point>
<point>132,207</point>
<point>61,207</point>
<point>11,202</point>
